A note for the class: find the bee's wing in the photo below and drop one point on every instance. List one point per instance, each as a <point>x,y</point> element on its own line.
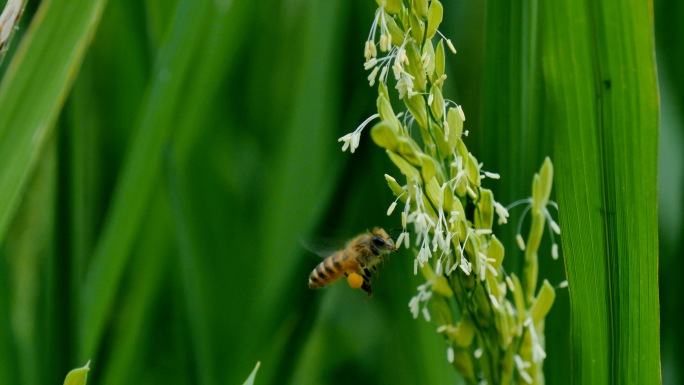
<point>323,247</point>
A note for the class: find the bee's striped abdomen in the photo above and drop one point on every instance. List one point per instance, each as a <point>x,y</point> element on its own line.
<point>328,271</point>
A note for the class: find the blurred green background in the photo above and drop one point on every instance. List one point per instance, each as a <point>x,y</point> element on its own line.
<point>159,234</point>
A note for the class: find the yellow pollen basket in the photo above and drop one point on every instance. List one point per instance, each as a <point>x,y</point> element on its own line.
<point>354,280</point>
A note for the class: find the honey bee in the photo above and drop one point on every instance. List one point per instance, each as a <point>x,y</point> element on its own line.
<point>360,255</point>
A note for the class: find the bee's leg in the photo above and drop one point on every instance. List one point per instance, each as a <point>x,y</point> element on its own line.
<point>375,269</point>
<point>366,286</point>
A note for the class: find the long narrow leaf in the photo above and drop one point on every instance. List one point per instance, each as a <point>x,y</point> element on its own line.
<point>34,87</point>
<point>126,359</point>
<point>603,98</point>
<point>141,169</point>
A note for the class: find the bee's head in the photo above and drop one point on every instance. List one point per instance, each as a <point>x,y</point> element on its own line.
<point>382,241</point>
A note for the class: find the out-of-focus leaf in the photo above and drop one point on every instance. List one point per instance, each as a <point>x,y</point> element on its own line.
<point>34,88</point>
<point>140,169</point>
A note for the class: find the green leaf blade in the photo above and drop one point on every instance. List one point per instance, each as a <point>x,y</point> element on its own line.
<point>603,93</point>
<point>34,88</point>
<point>140,171</point>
